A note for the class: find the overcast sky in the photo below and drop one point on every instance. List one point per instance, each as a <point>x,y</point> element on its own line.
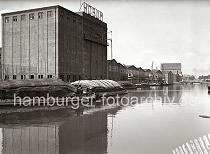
<point>151,30</point>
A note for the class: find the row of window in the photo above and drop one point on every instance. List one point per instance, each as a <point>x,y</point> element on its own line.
<point>68,77</point>
<point>77,77</point>
<point>14,77</point>
<point>31,16</point>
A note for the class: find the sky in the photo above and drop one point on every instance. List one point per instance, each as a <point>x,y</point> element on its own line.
<point>146,31</point>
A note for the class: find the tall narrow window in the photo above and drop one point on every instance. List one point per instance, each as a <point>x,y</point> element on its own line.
<point>40,15</point>
<point>31,16</point>
<point>23,77</point>
<point>49,76</point>
<point>14,77</point>
<point>6,77</point>
<point>14,18</point>
<point>6,19</point>
<point>40,76</point>
<point>31,77</point>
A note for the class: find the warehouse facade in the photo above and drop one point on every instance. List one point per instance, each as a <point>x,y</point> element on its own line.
<point>53,42</point>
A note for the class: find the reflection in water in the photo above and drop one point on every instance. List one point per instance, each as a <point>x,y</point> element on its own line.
<point>170,94</point>
<point>144,128</point>
<point>86,134</point>
<point>30,140</point>
<point>77,135</point>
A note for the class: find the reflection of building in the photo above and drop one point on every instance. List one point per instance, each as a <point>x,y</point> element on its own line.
<point>53,42</point>
<point>86,134</point>
<point>77,135</point>
<point>33,140</point>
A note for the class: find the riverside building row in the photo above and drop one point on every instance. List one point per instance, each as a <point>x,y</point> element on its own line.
<point>169,73</point>
<point>119,72</point>
<point>53,42</point>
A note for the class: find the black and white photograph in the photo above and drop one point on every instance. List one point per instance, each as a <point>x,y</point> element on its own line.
<point>105,77</point>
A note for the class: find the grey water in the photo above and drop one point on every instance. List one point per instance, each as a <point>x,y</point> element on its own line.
<point>161,120</point>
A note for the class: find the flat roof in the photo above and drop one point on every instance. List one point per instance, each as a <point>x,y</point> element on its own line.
<point>30,10</point>
<point>79,14</point>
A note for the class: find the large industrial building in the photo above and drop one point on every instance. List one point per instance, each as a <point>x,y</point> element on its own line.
<point>175,68</point>
<point>53,42</point>
<point>172,72</point>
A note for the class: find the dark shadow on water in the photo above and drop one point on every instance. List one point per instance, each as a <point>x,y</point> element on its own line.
<point>55,132</point>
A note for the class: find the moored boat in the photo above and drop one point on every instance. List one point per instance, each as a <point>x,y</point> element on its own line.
<point>128,85</point>
<point>37,91</point>
<point>100,87</point>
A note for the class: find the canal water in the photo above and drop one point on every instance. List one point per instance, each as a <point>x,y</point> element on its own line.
<point>161,120</point>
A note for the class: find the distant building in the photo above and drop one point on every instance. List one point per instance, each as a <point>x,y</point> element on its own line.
<point>158,75</point>
<point>148,74</point>
<point>169,77</point>
<point>53,42</point>
<point>116,71</point>
<point>123,74</point>
<point>205,78</point>
<point>133,73</point>
<point>188,77</point>
<point>174,68</point>
<point>113,70</point>
<point>142,75</point>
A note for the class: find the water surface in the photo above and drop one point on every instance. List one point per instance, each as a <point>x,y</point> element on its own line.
<point>167,120</point>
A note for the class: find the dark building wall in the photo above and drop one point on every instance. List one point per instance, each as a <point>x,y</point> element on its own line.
<point>82,46</point>
<point>95,47</point>
<point>116,71</point>
<point>70,42</point>
<point>113,70</point>
<point>123,74</point>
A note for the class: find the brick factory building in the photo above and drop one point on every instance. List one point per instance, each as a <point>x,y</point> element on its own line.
<point>53,42</point>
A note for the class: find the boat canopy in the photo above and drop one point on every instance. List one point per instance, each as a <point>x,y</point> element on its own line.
<point>92,84</point>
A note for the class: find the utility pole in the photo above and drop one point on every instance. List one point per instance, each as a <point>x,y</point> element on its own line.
<point>111,48</point>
